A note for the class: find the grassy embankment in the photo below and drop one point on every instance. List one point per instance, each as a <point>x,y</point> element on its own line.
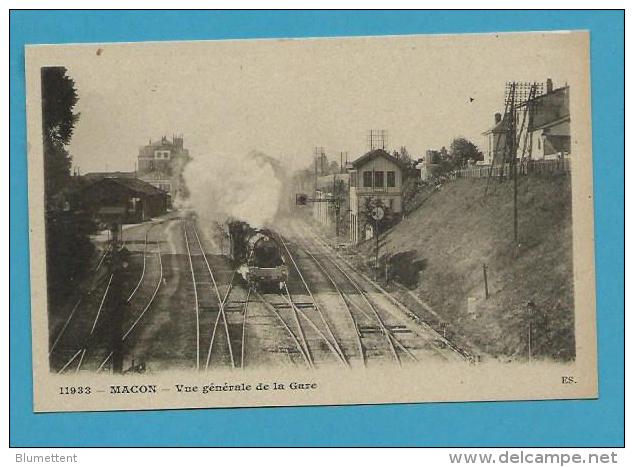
<point>438,252</point>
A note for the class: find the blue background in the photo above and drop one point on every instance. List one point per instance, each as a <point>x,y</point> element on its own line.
<point>548,423</point>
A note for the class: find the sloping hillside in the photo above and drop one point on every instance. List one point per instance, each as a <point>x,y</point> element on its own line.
<point>439,252</point>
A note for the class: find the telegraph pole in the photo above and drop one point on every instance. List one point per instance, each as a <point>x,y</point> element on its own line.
<point>376,249</point>
<point>530,318</point>
<point>116,303</point>
<point>377,215</point>
<point>511,144</point>
<point>337,211</point>
<point>336,203</point>
<point>318,154</point>
<point>315,178</point>
<point>530,309</point>
<point>518,95</point>
<point>486,283</point>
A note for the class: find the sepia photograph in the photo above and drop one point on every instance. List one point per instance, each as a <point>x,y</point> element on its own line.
<point>311,221</point>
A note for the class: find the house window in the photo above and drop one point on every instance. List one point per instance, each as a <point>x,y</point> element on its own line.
<point>378,179</point>
<point>367,179</point>
<point>161,154</point>
<point>353,179</point>
<point>391,179</point>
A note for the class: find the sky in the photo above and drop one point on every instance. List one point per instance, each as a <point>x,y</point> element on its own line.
<point>284,97</point>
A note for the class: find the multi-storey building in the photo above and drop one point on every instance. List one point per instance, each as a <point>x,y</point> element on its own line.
<point>377,175</point>
<point>548,128</point>
<point>161,164</point>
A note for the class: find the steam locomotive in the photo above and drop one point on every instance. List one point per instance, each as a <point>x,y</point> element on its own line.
<point>257,255</point>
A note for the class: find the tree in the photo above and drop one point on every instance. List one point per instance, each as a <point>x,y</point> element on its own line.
<point>333,168</point>
<point>403,155</point>
<point>59,97</point>
<point>68,246</point>
<point>462,151</point>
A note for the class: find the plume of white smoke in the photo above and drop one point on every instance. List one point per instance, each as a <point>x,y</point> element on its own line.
<point>247,188</point>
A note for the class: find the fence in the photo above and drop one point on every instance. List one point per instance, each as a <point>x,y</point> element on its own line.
<point>524,168</point>
<point>424,189</point>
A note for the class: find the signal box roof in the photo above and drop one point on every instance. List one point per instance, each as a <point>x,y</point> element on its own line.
<point>368,156</point>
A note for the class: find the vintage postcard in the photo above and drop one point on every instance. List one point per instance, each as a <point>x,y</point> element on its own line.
<point>359,220</point>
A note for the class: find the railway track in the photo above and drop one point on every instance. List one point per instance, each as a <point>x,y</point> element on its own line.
<point>347,306</point>
<point>310,337</point>
<point>95,289</point>
<point>406,340</point>
<point>80,354</point>
<point>235,302</point>
<point>140,299</point>
<point>97,341</point>
<point>374,339</point>
<point>137,303</point>
<point>321,325</point>
<point>297,335</point>
<point>209,305</point>
<point>224,306</point>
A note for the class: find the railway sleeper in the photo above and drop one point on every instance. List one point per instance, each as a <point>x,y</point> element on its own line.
<point>234,307</point>
<point>283,349</point>
<point>300,305</point>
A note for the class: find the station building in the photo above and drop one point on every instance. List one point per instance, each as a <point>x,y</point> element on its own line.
<point>375,175</point>
<point>161,164</point>
<point>137,200</point>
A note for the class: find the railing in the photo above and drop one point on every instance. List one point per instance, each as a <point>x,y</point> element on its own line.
<point>524,168</point>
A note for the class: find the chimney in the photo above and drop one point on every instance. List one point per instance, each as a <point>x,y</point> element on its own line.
<point>498,118</point>
<point>549,86</point>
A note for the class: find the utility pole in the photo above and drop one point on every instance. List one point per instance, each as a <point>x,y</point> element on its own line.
<point>315,187</point>
<point>116,302</point>
<point>318,154</point>
<point>387,264</point>
<point>486,284</point>
<point>512,151</point>
<point>376,234</point>
<point>529,341</point>
<point>518,95</point>
<point>377,215</point>
<point>336,203</point>
<point>337,211</point>
<point>530,308</point>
